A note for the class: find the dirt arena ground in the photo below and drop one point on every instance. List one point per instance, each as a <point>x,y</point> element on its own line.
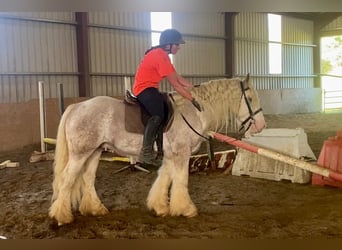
<point>230,207</point>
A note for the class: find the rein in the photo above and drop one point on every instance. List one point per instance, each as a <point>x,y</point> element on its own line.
<point>186,121</point>
<point>192,128</point>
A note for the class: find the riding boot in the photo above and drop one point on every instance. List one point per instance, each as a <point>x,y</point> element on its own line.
<point>159,141</point>
<point>146,154</point>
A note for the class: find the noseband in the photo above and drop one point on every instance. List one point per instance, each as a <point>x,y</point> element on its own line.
<point>250,118</point>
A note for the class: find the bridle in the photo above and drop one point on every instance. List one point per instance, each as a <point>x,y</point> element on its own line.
<point>250,119</point>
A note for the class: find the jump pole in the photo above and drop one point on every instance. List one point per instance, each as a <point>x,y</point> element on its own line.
<point>42,115</point>
<point>127,82</point>
<point>61,110</point>
<point>278,156</point>
<point>60,98</point>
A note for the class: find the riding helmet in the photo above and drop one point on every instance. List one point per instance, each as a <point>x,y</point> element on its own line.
<point>170,36</point>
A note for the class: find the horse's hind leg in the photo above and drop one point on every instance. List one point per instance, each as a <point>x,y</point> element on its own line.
<point>90,203</point>
<point>61,208</point>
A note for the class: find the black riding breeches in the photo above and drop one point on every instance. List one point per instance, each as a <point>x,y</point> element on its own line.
<point>153,102</point>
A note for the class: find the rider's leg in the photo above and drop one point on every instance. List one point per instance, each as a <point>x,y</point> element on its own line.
<point>146,154</point>
<point>152,101</point>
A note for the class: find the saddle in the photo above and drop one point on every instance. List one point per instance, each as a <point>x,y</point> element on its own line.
<point>136,116</point>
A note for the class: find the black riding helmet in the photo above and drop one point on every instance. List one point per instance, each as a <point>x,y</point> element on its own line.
<point>170,36</point>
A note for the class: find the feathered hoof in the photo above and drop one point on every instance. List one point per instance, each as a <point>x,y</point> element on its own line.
<point>102,211</point>
<point>189,212</point>
<point>62,220</point>
<point>160,210</point>
<point>162,213</point>
<point>62,216</point>
<point>61,223</point>
<point>99,210</point>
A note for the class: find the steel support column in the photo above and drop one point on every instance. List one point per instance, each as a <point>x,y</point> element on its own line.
<point>229,46</point>
<point>83,53</point>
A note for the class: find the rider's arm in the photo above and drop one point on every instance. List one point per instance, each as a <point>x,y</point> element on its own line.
<point>179,85</point>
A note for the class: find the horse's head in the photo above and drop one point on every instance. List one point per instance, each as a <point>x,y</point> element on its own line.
<point>250,117</point>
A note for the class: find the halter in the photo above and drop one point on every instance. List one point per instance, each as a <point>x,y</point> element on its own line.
<point>250,118</point>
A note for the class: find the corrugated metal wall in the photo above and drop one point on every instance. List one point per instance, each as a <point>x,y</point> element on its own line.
<point>251,51</point>
<point>202,58</point>
<point>203,53</point>
<point>42,46</point>
<point>298,48</point>
<point>117,42</point>
<point>250,44</point>
<point>37,47</point>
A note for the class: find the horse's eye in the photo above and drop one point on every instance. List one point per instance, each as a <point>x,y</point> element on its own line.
<point>250,99</point>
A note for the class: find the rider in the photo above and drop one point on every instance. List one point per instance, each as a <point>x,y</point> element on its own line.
<point>155,66</point>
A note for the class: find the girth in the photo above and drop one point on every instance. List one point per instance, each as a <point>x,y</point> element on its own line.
<point>136,116</point>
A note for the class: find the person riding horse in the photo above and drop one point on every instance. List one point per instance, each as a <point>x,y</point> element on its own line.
<point>155,66</point>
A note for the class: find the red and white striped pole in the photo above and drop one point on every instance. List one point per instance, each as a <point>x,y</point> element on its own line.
<point>278,156</point>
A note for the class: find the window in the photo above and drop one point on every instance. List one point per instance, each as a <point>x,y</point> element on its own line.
<point>159,22</point>
<point>274,45</point>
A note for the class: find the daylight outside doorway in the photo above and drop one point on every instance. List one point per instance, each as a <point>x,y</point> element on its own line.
<point>331,69</point>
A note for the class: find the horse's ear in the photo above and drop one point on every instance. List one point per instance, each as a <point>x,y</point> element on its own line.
<point>246,81</point>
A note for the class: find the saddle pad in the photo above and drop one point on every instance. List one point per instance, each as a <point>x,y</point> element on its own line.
<point>133,121</point>
<point>136,117</point>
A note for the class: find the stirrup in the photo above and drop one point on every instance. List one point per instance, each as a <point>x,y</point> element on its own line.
<point>159,159</point>
<point>150,162</point>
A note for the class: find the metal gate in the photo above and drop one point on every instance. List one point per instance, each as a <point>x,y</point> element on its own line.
<point>332,93</point>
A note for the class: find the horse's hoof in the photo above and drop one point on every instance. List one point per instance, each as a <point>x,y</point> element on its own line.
<point>61,218</point>
<point>102,210</point>
<point>161,211</point>
<point>64,222</point>
<point>54,225</point>
<point>189,213</point>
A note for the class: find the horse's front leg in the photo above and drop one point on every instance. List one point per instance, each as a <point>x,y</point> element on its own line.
<point>157,199</point>
<point>180,200</point>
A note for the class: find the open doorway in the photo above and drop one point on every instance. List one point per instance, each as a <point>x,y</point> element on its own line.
<point>331,69</point>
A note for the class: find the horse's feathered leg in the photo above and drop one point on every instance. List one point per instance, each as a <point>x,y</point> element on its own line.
<point>69,191</point>
<point>157,199</point>
<point>180,201</point>
<point>90,203</point>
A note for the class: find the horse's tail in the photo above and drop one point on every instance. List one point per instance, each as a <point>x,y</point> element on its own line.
<point>61,154</point>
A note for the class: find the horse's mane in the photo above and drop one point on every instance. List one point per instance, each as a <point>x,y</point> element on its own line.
<point>221,97</point>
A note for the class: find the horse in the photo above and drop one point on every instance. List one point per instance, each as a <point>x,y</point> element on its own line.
<point>87,127</point>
